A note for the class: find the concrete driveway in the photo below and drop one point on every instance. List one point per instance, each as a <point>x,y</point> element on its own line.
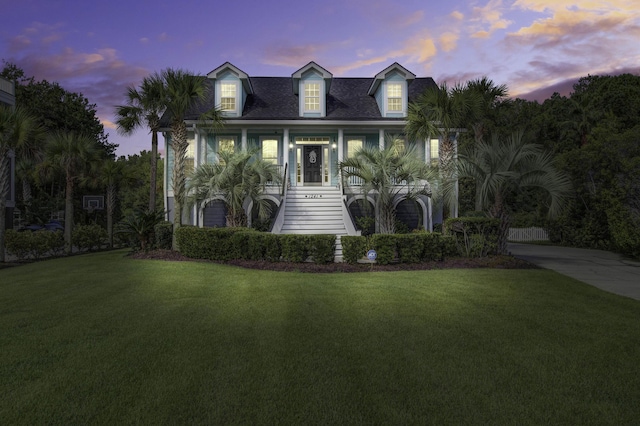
<point>608,271</point>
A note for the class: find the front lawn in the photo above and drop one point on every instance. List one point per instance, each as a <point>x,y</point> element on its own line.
<point>106,339</point>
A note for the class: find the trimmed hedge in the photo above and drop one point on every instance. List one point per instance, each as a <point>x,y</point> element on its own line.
<point>163,234</point>
<point>354,248</point>
<point>35,245</point>
<point>247,244</point>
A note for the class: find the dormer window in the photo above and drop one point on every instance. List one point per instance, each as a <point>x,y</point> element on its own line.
<point>390,89</point>
<point>228,94</point>
<point>394,97</point>
<point>311,84</point>
<point>312,97</point>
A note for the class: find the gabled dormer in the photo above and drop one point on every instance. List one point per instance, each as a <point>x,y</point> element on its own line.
<point>311,83</point>
<point>390,89</point>
<point>231,88</point>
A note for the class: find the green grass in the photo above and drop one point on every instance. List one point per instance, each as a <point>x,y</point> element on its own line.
<point>105,339</point>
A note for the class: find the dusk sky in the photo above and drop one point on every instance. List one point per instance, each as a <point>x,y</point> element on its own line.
<point>535,47</point>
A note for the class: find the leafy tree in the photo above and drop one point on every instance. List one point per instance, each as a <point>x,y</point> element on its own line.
<point>17,129</point>
<point>133,192</point>
<point>387,174</point>
<point>72,154</point>
<point>504,166</point>
<point>57,109</point>
<point>183,92</point>
<point>145,106</point>
<point>237,177</point>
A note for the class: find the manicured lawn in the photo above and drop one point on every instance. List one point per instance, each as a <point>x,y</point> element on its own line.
<point>105,339</point>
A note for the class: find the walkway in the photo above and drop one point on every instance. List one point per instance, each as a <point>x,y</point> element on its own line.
<point>608,271</point>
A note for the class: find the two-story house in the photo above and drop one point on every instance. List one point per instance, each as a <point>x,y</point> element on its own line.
<point>8,97</point>
<point>306,124</point>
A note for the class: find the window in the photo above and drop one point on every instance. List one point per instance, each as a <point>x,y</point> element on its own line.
<point>434,152</point>
<point>312,97</point>
<point>270,150</point>
<point>394,97</point>
<point>228,97</point>
<point>226,144</point>
<point>353,146</point>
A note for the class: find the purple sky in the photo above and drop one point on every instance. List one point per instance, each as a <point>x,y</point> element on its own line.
<point>99,48</point>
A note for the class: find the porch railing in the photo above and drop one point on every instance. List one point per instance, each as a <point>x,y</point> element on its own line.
<point>528,234</point>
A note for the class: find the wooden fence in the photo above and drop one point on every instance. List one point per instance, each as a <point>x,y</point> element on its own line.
<point>528,234</point>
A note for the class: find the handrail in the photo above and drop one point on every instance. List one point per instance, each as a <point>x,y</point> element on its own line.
<point>276,227</point>
<point>347,217</point>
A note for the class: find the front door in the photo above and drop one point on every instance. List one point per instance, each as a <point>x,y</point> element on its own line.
<point>312,158</point>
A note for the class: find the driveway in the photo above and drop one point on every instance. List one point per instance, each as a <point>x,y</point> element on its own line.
<point>608,271</point>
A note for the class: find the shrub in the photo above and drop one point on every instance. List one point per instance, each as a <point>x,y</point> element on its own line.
<point>353,248</point>
<point>271,246</point>
<point>34,245</point>
<point>295,248</point>
<point>138,228</point>
<point>624,225</point>
<point>474,236</point>
<point>207,243</point>
<point>17,243</point>
<point>385,246</point>
<point>89,237</point>
<point>322,248</point>
<point>163,234</point>
<point>410,247</point>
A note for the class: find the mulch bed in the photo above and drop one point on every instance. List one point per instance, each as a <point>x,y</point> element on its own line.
<point>497,262</point>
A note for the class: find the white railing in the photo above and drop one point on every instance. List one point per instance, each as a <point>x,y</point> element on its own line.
<point>528,234</point>
<point>7,86</point>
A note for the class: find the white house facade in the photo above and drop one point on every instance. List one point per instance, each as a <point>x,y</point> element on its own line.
<point>306,124</point>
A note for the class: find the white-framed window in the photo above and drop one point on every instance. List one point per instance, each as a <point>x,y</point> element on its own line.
<point>226,143</point>
<point>394,97</point>
<point>270,150</point>
<point>354,145</point>
<point>228,97</point>
<point>434,150</point>
<point>312,97</point>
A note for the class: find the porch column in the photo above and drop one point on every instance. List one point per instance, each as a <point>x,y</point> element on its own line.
<point>285,147</point>
<point>381,139</point>
<point>340,144</point>
<point>243,144</point>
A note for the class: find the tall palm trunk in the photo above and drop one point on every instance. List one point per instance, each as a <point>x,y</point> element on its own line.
<point>111,204</point>
<point>154,168</point>
<point>68,214</point>
<point>179,145</point>
<point>4,191</point>
<point>499,211</point>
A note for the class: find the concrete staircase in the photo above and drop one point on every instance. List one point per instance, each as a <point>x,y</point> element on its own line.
<point>315,210</point>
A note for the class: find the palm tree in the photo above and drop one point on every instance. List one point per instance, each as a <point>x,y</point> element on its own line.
<point>145,107</point>
<point>442,111</point>
<point>17,130</point>
<point>387,174</point>
<point>72,154</point>
<point>237,177</point>
<point>183,92</point>
<point>486,94</point>
<point>502,167</point>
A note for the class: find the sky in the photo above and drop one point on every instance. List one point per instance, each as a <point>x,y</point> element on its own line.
<point>99,48</point>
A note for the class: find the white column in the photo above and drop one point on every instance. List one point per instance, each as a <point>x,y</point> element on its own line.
<point>340,145</point>
<point>285,147</point>
<point>243,144</point>
<point>381,139</point>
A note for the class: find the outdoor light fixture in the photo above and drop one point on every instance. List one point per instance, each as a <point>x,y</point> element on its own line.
<point>290,147</point>
<point>333,147</point>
